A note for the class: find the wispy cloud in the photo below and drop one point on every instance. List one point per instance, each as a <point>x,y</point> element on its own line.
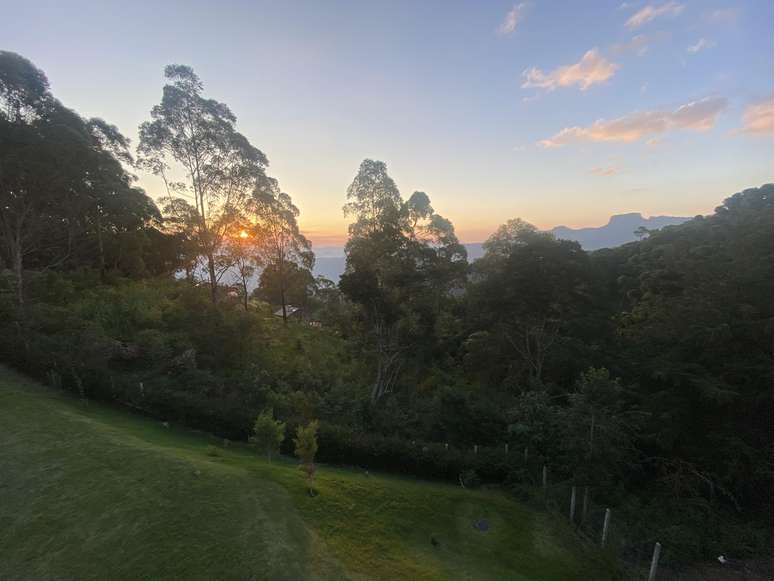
<point>651,12</point>
<point>700,45</point>
<point>593,68</point>
<point>698,115</point>
<point>639,45</point>
<point>513,18</point>
<point>605,171</point>
<point>759,117</point>
<point>722,16</point>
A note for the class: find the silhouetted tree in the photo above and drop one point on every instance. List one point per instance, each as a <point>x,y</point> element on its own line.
<point>284,253</point>
<point>220,165</point>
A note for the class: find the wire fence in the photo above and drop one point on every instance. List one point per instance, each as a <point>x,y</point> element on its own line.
<point>639,556</point>
<point>631,540</point>
<point>633,543</point>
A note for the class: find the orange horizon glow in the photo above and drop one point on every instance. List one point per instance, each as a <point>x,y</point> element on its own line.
<point>470,231</point>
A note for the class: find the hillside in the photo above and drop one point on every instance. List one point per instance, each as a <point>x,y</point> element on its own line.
<point>90,492</point>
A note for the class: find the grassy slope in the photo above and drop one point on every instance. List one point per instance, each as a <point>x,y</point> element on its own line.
<point>88,492</point>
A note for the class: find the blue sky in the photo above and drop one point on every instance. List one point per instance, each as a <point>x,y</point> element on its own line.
<point>559,112</point>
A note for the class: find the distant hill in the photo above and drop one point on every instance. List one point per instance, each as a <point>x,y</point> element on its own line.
<point>619,230</point>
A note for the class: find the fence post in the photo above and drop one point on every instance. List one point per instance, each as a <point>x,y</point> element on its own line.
<point>572,504</point>
<point>605,525</point>
<point>654,562</point>
<point>475,449</point>
<point>585,509</point>
<point>506,448</point>
<point>446,446</point>
<point>545,482</point>
<point>526,454</point>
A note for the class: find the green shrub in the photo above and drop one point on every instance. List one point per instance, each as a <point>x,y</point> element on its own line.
<point>268,433</point>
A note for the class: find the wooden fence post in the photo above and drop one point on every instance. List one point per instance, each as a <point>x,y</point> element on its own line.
<point>605,526</point>
<point>506,448</point>
<point>475,449</point>
<point>545,482</point>
<point>572,504</point>
<point>585,509</point>
<point>654,562</point>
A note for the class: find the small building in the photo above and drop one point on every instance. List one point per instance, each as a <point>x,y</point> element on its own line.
<point>291,312</point>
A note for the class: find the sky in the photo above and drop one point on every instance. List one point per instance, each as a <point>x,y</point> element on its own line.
<point>558,112</point>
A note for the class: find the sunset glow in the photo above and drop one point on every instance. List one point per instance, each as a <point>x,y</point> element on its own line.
<point>555,113</point>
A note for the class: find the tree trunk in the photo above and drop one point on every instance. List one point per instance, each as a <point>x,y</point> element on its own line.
<point>18,270</point>
<point>213,277</point>
<point>101,245</point>
<point>282,292</point>
<point>244,290</point>
<point>388,362</point>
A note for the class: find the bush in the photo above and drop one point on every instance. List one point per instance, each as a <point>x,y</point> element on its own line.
<point>268,433</point>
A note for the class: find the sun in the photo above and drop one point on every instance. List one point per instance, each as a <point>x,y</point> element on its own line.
<point>243,234</point>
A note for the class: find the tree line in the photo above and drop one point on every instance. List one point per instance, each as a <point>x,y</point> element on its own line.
<point>641,372</point>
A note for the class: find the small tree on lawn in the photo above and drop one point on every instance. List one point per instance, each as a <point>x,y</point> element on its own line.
<point>306,448</point>
<point>268,433</point>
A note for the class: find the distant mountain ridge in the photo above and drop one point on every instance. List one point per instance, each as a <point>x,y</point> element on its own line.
<point>619,230</point>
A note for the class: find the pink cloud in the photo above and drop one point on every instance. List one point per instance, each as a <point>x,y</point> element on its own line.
<point>651,12</point>
<point>759,117</point>
<point>698,115</point>
<point>607,171</point>
<point>593,68</point>
<point>513,18</point>
<point>639,45</point>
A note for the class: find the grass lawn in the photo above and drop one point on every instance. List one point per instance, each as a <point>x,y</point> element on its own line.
<point>90,492</point>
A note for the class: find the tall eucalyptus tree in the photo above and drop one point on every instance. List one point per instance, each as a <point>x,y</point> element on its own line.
<point>402,261</point>
<point>195,139</point>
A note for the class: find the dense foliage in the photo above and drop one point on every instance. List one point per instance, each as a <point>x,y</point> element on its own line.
<point>643,373</point>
